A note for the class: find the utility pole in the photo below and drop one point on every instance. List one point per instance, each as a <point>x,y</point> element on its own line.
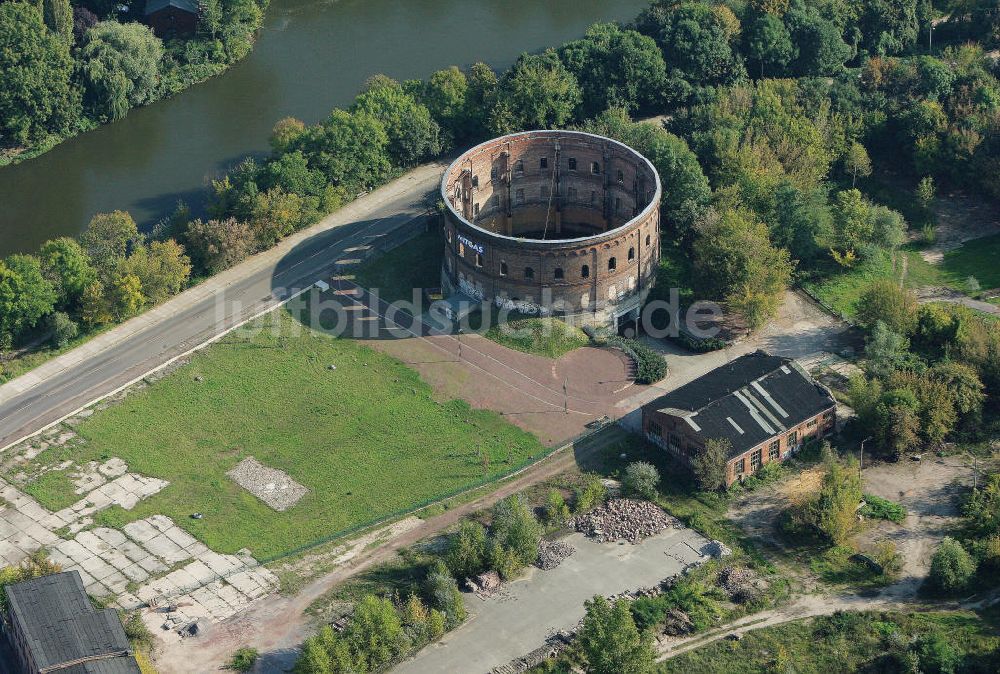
<point>459,338</point>
<point>861,463</point>
<point>565,398</point>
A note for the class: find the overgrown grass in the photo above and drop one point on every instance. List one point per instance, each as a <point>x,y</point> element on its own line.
<point>53,488</point>
<point>846,642</point>
<point>415,264</point>
<point>548,337</point>
<point>367,439</point>
<point>979,259</point>
<point>838,566</point>
<point>880,508</point>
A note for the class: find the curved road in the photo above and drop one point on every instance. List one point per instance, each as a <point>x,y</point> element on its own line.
<point>110,361</point>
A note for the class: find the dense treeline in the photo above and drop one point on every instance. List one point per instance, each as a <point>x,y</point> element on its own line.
<point>771,111</point>
<point>69,65</point>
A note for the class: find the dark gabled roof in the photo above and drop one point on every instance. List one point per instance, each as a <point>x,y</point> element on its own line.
<point>62,626</point>
<point>157,5</point>
<point>747,401</point>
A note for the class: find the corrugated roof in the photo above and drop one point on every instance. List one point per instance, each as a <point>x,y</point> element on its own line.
<point>157,5</point>
<point>747,401</point>
<point>62,626</point>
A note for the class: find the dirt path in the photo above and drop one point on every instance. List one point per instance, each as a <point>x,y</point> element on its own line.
<point>278,626</point>
<point>940,294</point>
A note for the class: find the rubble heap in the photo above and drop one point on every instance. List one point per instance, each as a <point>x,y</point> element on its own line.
<point>551,554</point>
<point>623,519</point>
<point>677,623</point>
<point>741,584</point>
<point>485,584</point>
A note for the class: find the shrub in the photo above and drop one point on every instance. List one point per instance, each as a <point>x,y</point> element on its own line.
<point>880,508</point>
<point>556,510</point>
<point>641,479</point>
<point>466,554</point>
<point>951,567</point>
<point>515,529</point>
<point>650,367</point>
<point>590,496</point>
<point>442,592</point>
<point>709,465</point>
<point>243,659</point>
<point>63,329</point>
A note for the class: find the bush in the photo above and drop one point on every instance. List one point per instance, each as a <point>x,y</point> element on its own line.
<point>556,510</point>
<point>641,479</point>
<point>880,508</point>
<point>590,496</point>
<point>243,659</point>
<point>63,329</point>
<point>466,554</point>
<point>951,567</point>
<point>650,367</point>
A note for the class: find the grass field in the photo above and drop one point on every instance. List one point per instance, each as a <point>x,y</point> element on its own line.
<point>368,439</point>
<point>542,336</point>
<point>396,273</point>
<point>979,259</point>
<point>847,642</point>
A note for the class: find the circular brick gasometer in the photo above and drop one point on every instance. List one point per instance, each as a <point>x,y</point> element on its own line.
<point>555,223</point>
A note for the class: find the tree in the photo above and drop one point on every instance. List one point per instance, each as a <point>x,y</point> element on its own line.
<point>735,260</point>
<point>861,226</point>
<point>36,94</point>
<point>446,96</point>
<point>374,633</point>
<point>442,591</point>
<point>125,298</point>
<point>926,192</point>
<point>856,162</point>
<point>107,239</point>
<point>769,44</point>
<point>350,149</point>
<point>286,130</point>
<point>886,351</point>
<point>641,478</point>
<point>67,267</point>
<point>709,465</point>
<point>963,384</point>
<point>218,244</point>
<point>538,92</point>
<point>888,26</point>
<point>884,301</point>
<point>58,17</point>
<point>556,510</point>
<point>412,132</point>
<point>480,99</point>
<point>120,67</point>
<point>951,567</point>
<point>903,430</point>
<point>833,512</point>
<point>820,48</point>
<point>276,214</point>
<point>62,329</point>
<point>94,308</point>
<point>515,529</point>
<point>615,67</point>
<point>83,20</point>
<point>611,642</point>
<point>466,554</point>
<point>162,269</point>
<point>25,296</point>
<point>210,16</point>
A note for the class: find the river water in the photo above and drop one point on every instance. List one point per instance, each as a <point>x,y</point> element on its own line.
<point>310,57</point>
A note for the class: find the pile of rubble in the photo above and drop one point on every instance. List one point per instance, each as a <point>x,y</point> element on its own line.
<point>623,519</point>
<point>742,584</point>
<point>551,554</point>
<point>485,584</point>
<point>677,623</point>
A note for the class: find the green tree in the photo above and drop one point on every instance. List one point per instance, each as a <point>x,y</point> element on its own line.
<point>446,95</point>
<point>833,512</point>
<point>25,296</point>
<point>36,94</point>
<point>67,267</point>
<point>480,99</point>
<point>556,510</point>
<point>641,478</point>
<point>350,149</point>
<point>466,554</point>
<point>94,308</point>
<point>926,192</point>
<point>62,329</point>
<point>952,567</point>
<point>413,134</point>
<point>709,465</point>
<point>210,16</point>
<point>162,269</point>
<point>615,67</point>
<point>125,298</point>
<point>375,633</point>
<point>888,26</point>
<point>820,47</point>
<point>218,244</point>
<point>442,591</point>
<point>886,351</point>
<point>902,430</point>
<point>769,44</point>
<point>515,528</point>
<point>276,214</point>
<point>610,641</point>
<point>107,239</point>
<point>864,227</point>
<point>857,162</point>
<point>538,92</point>
<point>120,65</point>
<point>58,17</point>
<point>884,301</point>
<point>286,130</point>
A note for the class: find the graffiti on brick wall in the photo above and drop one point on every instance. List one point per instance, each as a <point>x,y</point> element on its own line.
<point>470,289</point>
<point>529,308</point>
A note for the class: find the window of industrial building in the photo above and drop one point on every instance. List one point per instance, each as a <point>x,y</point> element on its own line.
<point>593,196</point>
<point>774,450</point>
<point>585,271</point>
<point>740,466</point>
<point>493,173</point>
<point>479,259</point>
<point>631,254</point>
<point>572,163</point>
<point>519,167</point>
<point>475,209</point>
<point>793,439</point>
<point>448,235</point>
<point>673,444</point>
<point>654,429</point>
<point>755,461</point>
<point>543,163</point>
<point>520,196</point>
<point>496,201</point>
<point>621,177</point>
<point>811,424</point>
<point>647,239</point>
<point>612,264</point>
<point>503,268</point>
<point>595,168</point>
<point>475,181</point>
<point>529,273</point>
<point>557,273</point>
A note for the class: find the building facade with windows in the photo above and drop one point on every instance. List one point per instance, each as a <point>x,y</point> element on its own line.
<point>765,406</point>
<point>553,222</point>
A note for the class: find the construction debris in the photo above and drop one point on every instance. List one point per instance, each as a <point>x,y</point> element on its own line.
<point>742,584</point>
<point>677,623</point>
<point>623,519</point>
<point>551,554</point>
<point>485,584</point>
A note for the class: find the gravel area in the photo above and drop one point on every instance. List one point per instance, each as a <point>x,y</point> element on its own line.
<point>270,485</point>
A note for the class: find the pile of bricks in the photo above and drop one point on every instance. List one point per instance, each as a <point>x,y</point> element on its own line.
<point>623,519</point>
<point>551,554</point>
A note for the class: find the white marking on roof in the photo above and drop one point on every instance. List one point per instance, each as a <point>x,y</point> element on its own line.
<point>691,423</point>
<point>322,285</point>
<point>735,425</point>
<point>753,413</point>
<point>762,408</point>
<point>784,368</point>
<point>768,398</point>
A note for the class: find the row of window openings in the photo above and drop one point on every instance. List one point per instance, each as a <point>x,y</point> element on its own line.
<point>543,163</point>
<point>557,273</point>
<point>773,452</point>
<point>519,199</point>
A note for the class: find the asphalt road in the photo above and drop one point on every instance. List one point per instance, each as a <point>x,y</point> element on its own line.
<point>193,318</point>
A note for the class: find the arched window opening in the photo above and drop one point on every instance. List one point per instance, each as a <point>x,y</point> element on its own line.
<point>585,271</point>
<point>612,264</point>
<point>529,273</point>
<point>631,254</point>
<point>557,273</point>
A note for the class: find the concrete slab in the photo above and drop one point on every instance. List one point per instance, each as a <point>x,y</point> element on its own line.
<point>112,537</point>
<point>135,573</point>
<point>74,551</point>
<point>180,537</point>
<point>166,549</point>
<point>141,531</point>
